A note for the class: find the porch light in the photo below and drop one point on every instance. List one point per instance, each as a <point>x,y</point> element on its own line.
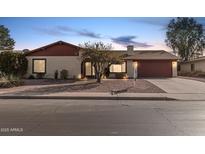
<point>135,64</point>
<point>125,76</point>
<point>79,76</point>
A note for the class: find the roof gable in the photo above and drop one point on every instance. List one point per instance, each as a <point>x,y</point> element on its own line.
<point>59,48</point>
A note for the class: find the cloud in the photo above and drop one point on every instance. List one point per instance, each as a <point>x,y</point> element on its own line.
<point>89,34</point>
<point>83,32</point>
<point>47,31</point>
<point>65,30</point>
<point>128,40</point>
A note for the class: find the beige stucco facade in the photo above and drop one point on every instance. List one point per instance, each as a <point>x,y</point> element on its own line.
<point>73,65</point>
<point>53,63</point>
<point>198,65</point>
<point>64,56</point>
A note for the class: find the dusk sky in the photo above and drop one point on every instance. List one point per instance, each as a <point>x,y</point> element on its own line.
<point>143,33</point>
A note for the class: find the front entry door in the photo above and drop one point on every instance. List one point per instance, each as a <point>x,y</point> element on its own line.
<point>89,69</point>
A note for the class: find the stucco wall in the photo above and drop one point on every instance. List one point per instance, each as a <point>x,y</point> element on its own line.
<point>198,66</point>
<point>53,63</point>
<point>130,69</point>
<point>186,67</point>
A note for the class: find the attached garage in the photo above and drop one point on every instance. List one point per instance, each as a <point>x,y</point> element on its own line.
<point>151,63</point>
<point>154,68</point>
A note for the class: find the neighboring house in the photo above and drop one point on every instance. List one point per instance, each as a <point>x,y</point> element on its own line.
<point>194,65</point>
<point>138,63</point>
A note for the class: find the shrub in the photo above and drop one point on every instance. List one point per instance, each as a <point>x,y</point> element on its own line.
<point>192,74</point>
<point>10,83</point>
<point>200,74</point>
<point>56,74</point>
<point>6,84</point>
<point>120,75</point>
<point>31,77</point>
<point>64,74</point>
<point>40,75</point>
<point>13,64</point>
<point>16,83</point>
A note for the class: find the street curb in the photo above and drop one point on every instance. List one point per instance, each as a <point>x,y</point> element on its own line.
<point>88,98</point>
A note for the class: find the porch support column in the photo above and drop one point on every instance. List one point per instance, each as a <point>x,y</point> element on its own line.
<point>130,69</point>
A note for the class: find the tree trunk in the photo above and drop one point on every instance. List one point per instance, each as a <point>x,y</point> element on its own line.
<point>99,80</point>
<point>107,72</point>
<point>98,76</point>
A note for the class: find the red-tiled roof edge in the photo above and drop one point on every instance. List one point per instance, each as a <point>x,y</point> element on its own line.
<point>51,44</point>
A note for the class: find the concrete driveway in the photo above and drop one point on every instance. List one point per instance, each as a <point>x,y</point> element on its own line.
<point>179,85</point>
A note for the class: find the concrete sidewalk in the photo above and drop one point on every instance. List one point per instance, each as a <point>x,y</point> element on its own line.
<point>108,96</point>
<point>136,96</point>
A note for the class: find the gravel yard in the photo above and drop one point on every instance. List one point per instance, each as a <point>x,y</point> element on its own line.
<point>129,86</point>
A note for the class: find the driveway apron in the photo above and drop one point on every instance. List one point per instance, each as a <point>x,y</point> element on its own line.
<point>179,85</point>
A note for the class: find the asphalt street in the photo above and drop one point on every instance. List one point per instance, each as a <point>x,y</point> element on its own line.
<point>101,117</point>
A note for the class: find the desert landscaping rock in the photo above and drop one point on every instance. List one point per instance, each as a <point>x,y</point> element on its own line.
<point>131,86</point>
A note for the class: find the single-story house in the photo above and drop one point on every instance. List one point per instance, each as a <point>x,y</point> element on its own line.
<point>138,63</point>
<point>194,65</point>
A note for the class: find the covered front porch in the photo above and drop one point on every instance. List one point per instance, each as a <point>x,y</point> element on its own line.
<point>118,71</point>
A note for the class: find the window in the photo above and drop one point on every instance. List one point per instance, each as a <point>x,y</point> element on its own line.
<point>39,65</point>
<point>118,68</point>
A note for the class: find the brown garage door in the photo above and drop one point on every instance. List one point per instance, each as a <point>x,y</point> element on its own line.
<point>154,68</point>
